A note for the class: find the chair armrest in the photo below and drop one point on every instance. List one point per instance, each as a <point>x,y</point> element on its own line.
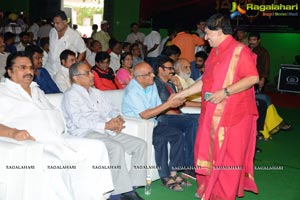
<point>140,128</point>
<point>143,129</point>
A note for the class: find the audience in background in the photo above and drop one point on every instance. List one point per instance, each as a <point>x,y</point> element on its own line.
<point>62,78</point>
<point>183,73</point>
<point>136,37</point>
<point>94,49</point>
<point>116,50</point>
<point>152,42</point>
<point>44,44</point>
<point>103,36</point>
<point>262,59</point>
<point>241,36</point>
<point>41,75</point>
<point>187,42</point>
<point>24,41</point>
<point>94,30</point>
<point>197,66</point>
<point>136,54</point>
<point>3,57</point>
<point>9,40</point>
<point>104,76</point>
<point>124,74</point>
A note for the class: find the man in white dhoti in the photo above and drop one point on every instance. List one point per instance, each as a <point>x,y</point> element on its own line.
<point>89,114</point>
<point>26,113</point>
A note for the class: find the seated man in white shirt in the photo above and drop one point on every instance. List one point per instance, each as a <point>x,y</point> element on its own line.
<point>90,115</point>
<point>95,48</point>
<point>26,113</point>
<point>62,78</point>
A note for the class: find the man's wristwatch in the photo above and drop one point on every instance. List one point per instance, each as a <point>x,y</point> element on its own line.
<point>226,92</point>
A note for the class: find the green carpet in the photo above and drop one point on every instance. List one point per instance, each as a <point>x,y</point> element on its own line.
<point>282,153</point>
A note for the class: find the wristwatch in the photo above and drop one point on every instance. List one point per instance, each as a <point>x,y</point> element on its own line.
<point>226,92</point>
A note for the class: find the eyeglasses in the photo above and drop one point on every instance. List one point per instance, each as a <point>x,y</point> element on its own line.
<point>86,73</point>
<point>24,67</point>
<point>148,74</point>
<point>169,68</point>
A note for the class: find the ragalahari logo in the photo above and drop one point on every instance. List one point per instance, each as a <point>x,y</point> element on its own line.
<point>236,10</point>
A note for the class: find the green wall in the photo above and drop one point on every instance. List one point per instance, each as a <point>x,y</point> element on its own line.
<point>283,47</point>
<point>15,5</point>
<point>124,13</point>
<point>36,8</point>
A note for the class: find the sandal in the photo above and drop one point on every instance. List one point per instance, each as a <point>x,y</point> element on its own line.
<point>171,184</point>
<point>181,181</point>
<point>286,127</point>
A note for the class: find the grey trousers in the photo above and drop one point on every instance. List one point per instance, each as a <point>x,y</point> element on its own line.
<point>124,180</point>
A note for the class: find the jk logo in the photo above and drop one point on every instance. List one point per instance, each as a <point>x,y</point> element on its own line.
<point>236,10</point>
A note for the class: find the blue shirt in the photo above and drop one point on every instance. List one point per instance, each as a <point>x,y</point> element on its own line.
<point>45,82</point>
<point>136,99</point>
<point>195,73</point>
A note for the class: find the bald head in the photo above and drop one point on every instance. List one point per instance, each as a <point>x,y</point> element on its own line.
<point>143,74</point>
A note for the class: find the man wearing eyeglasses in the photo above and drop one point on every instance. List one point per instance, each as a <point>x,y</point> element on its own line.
<point>187,123</point>
<point>63,37</point>
<point>89,114</point>
<point>141,100</point>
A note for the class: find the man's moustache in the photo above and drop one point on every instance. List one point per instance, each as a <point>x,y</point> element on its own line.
<point>28,75</point>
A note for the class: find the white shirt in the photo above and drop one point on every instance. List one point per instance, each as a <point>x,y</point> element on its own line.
<point>114,61</point>
<point>90,57</point>
<point>87,111</point>
<point>71,40</point>
<point>62,79</point>
<point>44,31</point>
<point>45,58</point>
<point>45,122</point>
<point>3,58</point>
<point>34,28</point>
<point>150,40</point>
<point>133,37</point>
<point>161,46</point>
<point>16,103</point>
<point>20,47</point>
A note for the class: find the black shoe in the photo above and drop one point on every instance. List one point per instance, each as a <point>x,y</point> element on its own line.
<point>131,196</point>
<point>189,174</point>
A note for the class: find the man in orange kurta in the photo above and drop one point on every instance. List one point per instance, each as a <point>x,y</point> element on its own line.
<point>225,142</point>
<point>187,43</point>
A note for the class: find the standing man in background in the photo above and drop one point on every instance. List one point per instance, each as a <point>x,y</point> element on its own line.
<point>263,59</point>
<point>151,42</point>
<point>63,37</point>
<point>103,36</point>
<point>136,37</point>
